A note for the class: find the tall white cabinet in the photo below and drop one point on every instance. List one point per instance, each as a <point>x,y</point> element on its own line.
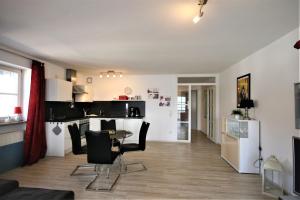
<point>58,90</point>
<point>240,144</point>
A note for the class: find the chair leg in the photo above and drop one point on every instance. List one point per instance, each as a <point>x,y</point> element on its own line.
<point>99,171</point>
<point>133,163</point>
<point>96,177</point>
<point>107,172</point>
<point>82,166</point>
<point>120,163</point>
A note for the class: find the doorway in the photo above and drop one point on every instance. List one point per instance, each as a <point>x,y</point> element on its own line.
<point>203,107</point>
<point>196,110</point>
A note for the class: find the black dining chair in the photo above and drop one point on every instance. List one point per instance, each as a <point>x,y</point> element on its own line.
<point>77,149</point>
<point>99,153</point>
<point>141,146</point>
<point>108,125</point>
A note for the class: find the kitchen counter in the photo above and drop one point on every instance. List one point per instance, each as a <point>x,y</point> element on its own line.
<point>88,117</point>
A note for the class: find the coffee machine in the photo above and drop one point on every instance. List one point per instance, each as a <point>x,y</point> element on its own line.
<point>134,112</point>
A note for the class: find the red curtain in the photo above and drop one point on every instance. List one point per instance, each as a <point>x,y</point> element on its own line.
<point>35,145</point>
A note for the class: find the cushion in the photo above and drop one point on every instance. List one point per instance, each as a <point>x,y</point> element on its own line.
<point>7,186</point>
<point>129,147</point>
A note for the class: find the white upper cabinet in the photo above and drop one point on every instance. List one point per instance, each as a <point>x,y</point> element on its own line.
<point>87,96</point>
<point>58,90</point>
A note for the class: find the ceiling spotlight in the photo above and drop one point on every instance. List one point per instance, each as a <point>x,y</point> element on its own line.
<point>114,76</point>
<point>196,19</point>
<point>107,75</point>
<point>201,4</point>
<point>121,75</point>
<point>101,76</point>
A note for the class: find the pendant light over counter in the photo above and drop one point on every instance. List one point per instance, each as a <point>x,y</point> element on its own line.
<point>111,74</point>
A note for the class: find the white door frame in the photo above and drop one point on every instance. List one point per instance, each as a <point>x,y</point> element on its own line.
<point>210,100</point>
<point>217,136</point>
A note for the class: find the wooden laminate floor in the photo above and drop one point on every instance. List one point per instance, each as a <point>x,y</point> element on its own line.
<point>175,171</point>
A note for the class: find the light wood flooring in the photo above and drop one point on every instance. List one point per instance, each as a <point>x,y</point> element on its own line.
<point>175,171</point>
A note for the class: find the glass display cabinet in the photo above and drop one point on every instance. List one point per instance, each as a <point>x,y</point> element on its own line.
<point>237,128</point>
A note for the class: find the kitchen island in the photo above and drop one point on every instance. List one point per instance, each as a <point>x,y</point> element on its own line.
<point>131,124</point>
<point>58,137</point>
<point>88,116</point>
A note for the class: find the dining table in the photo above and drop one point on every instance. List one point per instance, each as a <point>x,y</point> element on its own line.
<point>118,137</point>
<point>120,134</point>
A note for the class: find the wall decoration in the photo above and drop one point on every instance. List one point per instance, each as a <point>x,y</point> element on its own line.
<point>243,88</point>
<point>89,80</point>
<point>164,101</point>
<point>153,93</point>
<point>128,90</point>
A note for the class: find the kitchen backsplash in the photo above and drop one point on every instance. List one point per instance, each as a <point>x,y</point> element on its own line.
<point>62,110</point>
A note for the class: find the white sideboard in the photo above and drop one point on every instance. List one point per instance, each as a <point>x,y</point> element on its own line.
<point>130,124</point>
<point>240,144</point>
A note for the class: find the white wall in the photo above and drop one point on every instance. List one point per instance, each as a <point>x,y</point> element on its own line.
<point>51,70</point>
<point>9,58</point>
<point>162,119</point>
<point>274,70</point>
<point>54,71</point>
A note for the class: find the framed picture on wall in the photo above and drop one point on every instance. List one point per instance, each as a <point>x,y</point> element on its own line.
<point>243,88</point>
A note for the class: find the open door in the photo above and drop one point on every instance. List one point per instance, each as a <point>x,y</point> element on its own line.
<point>183,113</point>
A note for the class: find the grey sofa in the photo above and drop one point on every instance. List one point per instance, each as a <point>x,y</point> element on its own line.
<point>9,189</point>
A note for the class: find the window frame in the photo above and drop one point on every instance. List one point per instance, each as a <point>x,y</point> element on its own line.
<point>20,85</point>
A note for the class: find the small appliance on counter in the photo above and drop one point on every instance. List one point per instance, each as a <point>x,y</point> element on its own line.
<point>134,112</point>
<point>123,97</point>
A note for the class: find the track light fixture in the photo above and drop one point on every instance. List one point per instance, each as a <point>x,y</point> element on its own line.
<point>201,4</point>
<point>111,73</point>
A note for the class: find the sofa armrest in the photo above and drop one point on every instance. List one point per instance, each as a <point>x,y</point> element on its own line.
<point>7,186</point>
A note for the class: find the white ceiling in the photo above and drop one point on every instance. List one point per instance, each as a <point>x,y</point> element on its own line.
<point>144,36</point>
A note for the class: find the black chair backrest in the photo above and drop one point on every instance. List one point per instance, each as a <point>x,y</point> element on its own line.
<point>108,125</point>
<point>98,147</point>
<point>142,136</point>
<point>75,138</point>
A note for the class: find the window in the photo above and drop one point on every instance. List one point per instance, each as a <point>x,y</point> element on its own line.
<point>181,103</point>
<point>10,90</point>
<point>181,108</point>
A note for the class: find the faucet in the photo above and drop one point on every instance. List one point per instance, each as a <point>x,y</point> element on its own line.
<point>100,112</point>
<point>85,112</point>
